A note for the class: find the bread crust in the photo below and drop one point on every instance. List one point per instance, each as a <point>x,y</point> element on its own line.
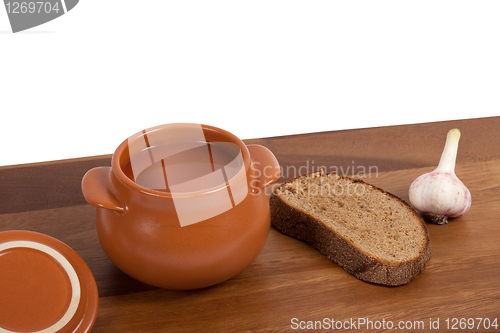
<point>297,223</point>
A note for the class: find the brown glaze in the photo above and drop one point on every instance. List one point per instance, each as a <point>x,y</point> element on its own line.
<point>35,284</point>
<point>38,292</point>
<point>140,231</point>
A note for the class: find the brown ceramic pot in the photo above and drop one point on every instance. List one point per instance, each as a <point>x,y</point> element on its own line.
<point>191,232</point>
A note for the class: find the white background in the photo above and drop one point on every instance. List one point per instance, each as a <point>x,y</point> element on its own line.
<point>81,84</point>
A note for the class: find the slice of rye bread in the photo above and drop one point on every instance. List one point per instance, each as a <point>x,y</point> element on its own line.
<point>372,234</point>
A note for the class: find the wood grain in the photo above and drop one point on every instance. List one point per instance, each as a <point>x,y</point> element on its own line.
<point>45,185</point>
<point>57,184</point>
<point>289,279</point>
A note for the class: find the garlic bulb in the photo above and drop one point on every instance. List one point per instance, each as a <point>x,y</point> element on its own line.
<point>440,194</point>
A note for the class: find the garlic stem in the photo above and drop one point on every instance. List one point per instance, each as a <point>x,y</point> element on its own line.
<point>449,156</point>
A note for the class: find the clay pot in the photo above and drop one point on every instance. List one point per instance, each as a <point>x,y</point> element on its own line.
<point>182,205</point>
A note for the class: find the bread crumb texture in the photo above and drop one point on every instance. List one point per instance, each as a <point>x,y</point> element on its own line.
<point>370,219</point>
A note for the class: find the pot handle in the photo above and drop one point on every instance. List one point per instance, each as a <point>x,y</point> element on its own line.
<point>96,188</point>
<point>265,167</point>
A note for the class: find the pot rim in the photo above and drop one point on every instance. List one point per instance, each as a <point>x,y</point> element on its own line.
<point>118,160</point>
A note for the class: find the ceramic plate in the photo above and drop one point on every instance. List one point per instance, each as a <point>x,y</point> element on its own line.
<point>45,286</point>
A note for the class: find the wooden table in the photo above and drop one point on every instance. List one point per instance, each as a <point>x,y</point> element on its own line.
<point>290,283</point>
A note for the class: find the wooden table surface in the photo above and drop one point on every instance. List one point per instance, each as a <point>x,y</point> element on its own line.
<point>290,283</point>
